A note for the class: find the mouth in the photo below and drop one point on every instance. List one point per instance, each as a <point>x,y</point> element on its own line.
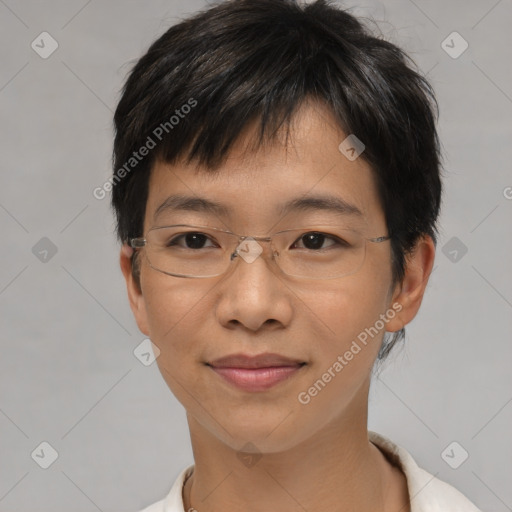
<point>256,373</point>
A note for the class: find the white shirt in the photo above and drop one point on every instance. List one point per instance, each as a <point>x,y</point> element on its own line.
<point>427,493</point>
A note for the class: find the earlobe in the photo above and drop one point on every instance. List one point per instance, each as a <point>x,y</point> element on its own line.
<point>135,297</point>
<point>409,293</point>
<point>396,322</point>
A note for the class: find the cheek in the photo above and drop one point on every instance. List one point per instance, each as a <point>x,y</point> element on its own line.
<point>346,344</point>
<point>176,316</point>
<point>342,309</point>
<point>347,336</point>
<point>176,310</point>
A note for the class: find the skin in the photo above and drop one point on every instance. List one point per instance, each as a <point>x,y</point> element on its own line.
<point>317,456</point>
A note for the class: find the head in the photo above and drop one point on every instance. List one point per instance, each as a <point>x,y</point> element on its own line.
<point>246,104</point>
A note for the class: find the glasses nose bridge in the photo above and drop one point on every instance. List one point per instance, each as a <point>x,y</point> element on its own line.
<point>257,238</point>
<point>239,239</point>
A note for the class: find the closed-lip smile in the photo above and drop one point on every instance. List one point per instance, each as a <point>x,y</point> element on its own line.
<point>255,372</point>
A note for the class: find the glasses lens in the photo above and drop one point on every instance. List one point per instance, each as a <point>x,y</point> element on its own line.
<point>320,253</point>
<point>196,251</point>
<point>189,250</point>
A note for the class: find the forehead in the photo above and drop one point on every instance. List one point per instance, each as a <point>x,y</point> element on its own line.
<point>308,177</point>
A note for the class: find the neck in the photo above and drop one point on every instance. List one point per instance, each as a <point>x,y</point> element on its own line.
<point>335,469</point>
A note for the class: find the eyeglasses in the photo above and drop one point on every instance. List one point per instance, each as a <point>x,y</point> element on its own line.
<point>317,252</point>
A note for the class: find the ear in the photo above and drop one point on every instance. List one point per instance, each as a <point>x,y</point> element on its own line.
<point>135,297</point>
<point>408,294</point>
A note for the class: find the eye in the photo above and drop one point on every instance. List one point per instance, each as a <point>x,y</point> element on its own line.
<point>314,240</point>
<point>193,240</point>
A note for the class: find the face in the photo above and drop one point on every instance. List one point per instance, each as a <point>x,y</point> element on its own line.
<point>255,309</point>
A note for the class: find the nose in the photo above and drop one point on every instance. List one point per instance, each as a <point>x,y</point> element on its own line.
<point>252,293</point>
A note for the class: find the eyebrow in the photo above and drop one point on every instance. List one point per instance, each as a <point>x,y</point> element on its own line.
<point>179,202</point>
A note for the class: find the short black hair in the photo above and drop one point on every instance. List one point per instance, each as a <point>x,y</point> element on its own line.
<point>240,61</point>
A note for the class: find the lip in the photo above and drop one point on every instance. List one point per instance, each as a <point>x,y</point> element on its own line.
<point>255,373</point>
<point>266,360</point>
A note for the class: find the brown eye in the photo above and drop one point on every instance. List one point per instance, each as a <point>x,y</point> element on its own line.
<point>314,240</point>
<point>193,240</point>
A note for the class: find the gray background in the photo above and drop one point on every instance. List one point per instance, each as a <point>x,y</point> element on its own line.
<point>68,374</point>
